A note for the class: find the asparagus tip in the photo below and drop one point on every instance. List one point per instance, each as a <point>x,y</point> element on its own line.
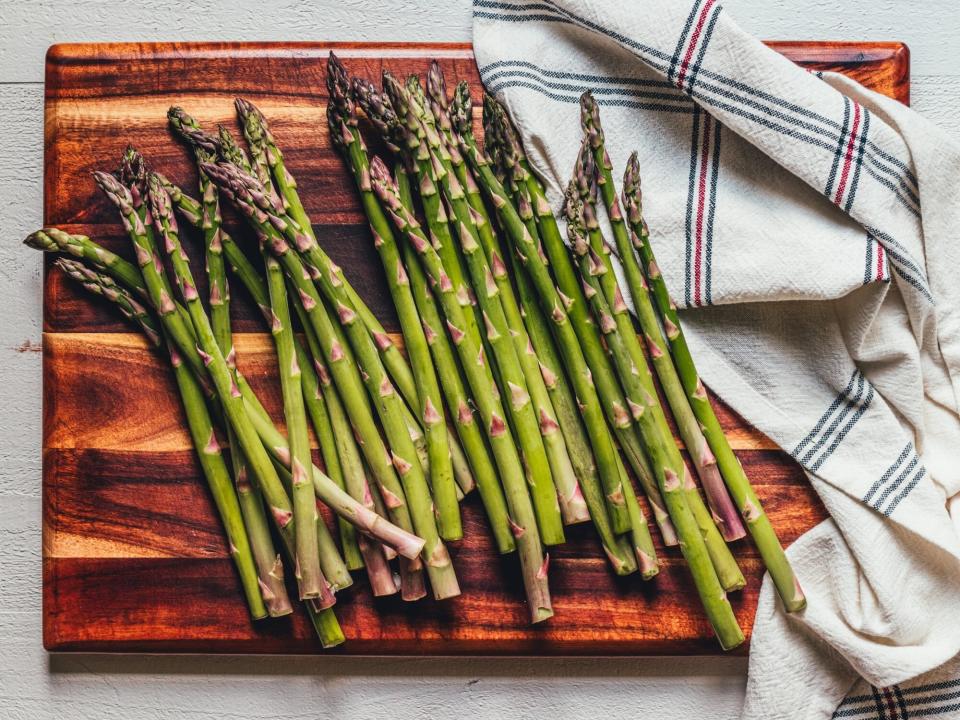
<point>41,240</point>
<point>590,119</point>
<point>461,109</point>
<point>437,85</point>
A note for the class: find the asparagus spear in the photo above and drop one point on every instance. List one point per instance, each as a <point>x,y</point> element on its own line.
<point>642,543</point>
<point>525,422</point>
<point>575,305</point>
<point>200,427</point>
<point>533,563</point>
<point>337,356</point>
<point>269,563</point>
<point>271,168</point>
<point>567,466</point>
<point>378,107</point>
<point>724,513</point>
<point>351,146</point>
<point>223,379</point>
<point>621,557</point>
<point>572,505</point>
<point>309,574</point>
<point>638,386</point>
<point>737,482</point>
<point>667,463</point>
<point>458,400</point>
<point>249,195</point>
<point>372,524</point>
<point>555,304</point>
<point>611,313</point>
<point>80,246</point>
<point>259,136</point>
<point>344,453</point>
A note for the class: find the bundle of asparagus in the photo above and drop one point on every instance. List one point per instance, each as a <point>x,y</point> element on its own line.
<point>526,384</point>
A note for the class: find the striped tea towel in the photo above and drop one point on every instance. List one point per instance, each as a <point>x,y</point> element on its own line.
<point>809,226</point>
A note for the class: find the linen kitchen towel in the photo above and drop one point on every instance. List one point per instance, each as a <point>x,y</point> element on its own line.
<point>808,226</point>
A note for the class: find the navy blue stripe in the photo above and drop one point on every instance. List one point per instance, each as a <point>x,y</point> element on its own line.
<point>606,102</point>
<point>858,159</point>
<point>708,245</point>
<point>682,40</point>
<point>838,153</point>
<point>593,80</point>
<point>675,96</point>
<point>691,193</point>
<point>888,473</point>
<point>846,407</point>
<point>880,703</point>
<point>826,416</point>
<point>868,268</point>
<point>651,54</point>
<point>901,478</point>
<point>906,491</point>
<point>902,263</point>
<point>707,35</point>
<point>842,435</point>
<point>904,715</point>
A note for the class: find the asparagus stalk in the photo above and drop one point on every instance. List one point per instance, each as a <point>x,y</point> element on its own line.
<point>555,305</point>
<point>270,165</point>
<point>642,546</point>
<point>80,246</point>
<point>611,313</point>
<point>269,563</point>
<point>141,235</point>
<point>724,513</point>
<point>309,575</point>
<point>226,387</point>
<point>247,192</point>
<point>737,482</point>
<point>525,422</point>
<point>565,467</point>
<point>458,400</point>
<point>573,508</point>
<point>200,427</point>
<point>379,109</point>
<point>345,455</point>
<point>667,463</point>
<point>575,305</point>
<point>568,416</point>
<point>523,521</point>
<point>329,278</point>
<point>443,486</point>
<point>266,151</point>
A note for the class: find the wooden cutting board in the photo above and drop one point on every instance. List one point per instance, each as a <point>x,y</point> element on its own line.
<point>133,555</point>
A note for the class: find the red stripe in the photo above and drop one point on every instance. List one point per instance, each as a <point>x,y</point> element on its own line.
<point>848,160</point>
<point>880,262</point>
<point>701,21</point>
<point>701,198</point>
<point>891,702</point>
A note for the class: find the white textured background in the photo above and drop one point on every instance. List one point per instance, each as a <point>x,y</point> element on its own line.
<point>38,686</point>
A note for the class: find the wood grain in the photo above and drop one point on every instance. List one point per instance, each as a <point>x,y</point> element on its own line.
<point>134,559</point>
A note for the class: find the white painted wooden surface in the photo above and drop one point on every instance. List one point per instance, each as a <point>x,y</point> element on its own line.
<point>38,686</point>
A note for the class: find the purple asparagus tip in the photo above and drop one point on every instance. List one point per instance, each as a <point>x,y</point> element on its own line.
<point>189,129</point>
<point>590,119</point>
<point>437,85</point>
